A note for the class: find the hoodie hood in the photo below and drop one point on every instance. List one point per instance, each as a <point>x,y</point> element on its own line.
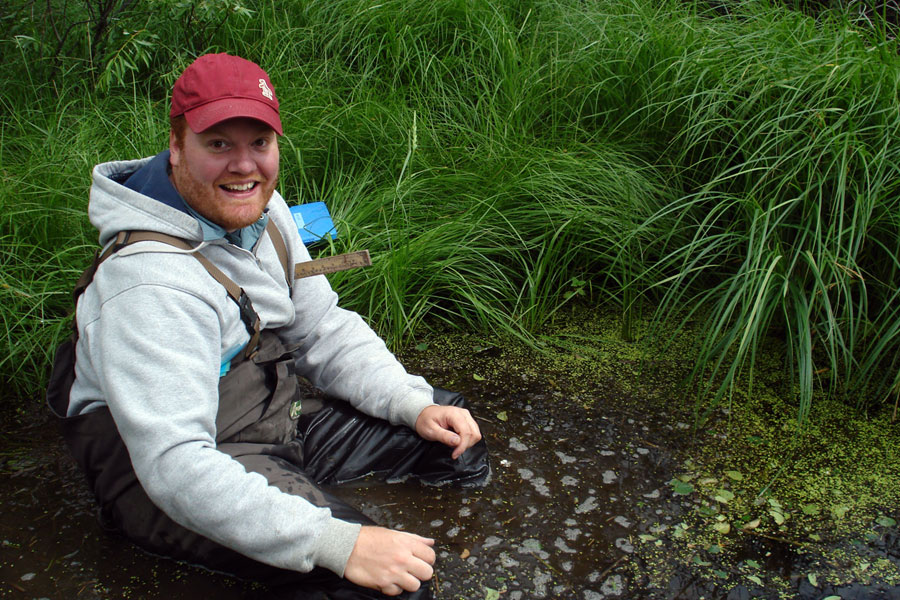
<point>114,207</point>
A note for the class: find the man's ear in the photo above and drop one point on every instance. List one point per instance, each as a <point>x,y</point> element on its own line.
<point>174,150</point>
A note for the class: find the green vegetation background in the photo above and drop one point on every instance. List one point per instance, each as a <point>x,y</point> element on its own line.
<point>732,171</point>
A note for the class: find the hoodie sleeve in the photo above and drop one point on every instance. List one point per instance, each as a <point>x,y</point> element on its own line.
<point>339,352</point>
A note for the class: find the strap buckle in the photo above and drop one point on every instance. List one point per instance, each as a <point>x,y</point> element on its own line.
<point>248,315</point>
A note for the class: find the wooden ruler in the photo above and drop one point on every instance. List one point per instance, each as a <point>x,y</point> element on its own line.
<point>332,264</point>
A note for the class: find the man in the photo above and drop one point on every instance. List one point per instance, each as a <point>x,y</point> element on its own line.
<point>184,407</point>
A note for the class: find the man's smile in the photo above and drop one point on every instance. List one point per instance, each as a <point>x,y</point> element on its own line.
<point>239,187</point>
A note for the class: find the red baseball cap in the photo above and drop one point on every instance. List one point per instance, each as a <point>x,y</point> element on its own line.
<point>217,87</point>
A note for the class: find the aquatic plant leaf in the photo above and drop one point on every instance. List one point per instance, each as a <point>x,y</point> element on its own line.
<point>810,509</point>
<point>724,528</point>
<point>724,496</point>
<point>681,488</point>
<point>885,521</point>
<point>752,564</point>
<point>491,594</point>
<point>734,475</point>
<point>838,511</point>
<point>646,537</point>
<point>422,347</point>
<point>751,525</point>
<point>778,516</point>
<point>755,579</point>
<point>477,377</point>
<point>831,598</point>
<point>502,415</point>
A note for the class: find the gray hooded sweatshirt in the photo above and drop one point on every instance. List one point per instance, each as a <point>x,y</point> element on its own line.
<point>155,330</point>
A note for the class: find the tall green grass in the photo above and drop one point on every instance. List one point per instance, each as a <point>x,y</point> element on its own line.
<point>502,160</point>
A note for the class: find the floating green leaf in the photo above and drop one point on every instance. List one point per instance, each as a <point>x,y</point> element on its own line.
<point>681,488</point>
<point>724,496</point>
<point>734,475</point>
<point>724,528</point>
<point>885,521</point>
<point>502,415</point>
<point>752,564</point>
<point>838,511</point>
<point>810,509</point>
<point>477,377</point>
<point>755,579</point>
<point>813,580</point>
<point>491,594</point>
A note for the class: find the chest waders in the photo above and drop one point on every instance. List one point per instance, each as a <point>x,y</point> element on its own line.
<point>330,442</point>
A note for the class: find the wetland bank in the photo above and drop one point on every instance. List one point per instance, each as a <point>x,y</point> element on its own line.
<point>602,488</point>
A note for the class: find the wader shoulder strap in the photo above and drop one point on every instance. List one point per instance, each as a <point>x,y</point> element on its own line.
<point>281,250</point>
<point>245,307</point>
<point>63,373</point>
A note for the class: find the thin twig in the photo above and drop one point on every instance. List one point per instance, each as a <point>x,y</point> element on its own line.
<point>774,538</point>
<point>607,570</point>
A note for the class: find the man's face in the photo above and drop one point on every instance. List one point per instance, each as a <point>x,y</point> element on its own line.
<point>228,172</point>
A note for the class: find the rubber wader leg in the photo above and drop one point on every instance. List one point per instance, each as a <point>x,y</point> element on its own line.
<point>341,444</point>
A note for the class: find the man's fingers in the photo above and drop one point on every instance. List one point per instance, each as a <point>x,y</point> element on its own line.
<point>449,438</point>
<point>450,425</point>
<point>426,552</point>
<point>421,570</point>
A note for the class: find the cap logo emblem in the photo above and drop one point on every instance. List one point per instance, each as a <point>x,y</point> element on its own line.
<point>266,91</point>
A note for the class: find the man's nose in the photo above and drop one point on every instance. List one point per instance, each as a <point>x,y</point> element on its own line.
<point>241,161</point>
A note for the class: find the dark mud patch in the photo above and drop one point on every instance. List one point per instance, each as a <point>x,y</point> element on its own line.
<point>600,489</point>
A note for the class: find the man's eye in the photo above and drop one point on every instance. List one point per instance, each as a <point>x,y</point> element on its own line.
<point>217,144</point>
<point>262,142</point>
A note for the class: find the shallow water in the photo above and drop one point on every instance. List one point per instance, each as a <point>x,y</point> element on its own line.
<point>575,492</point>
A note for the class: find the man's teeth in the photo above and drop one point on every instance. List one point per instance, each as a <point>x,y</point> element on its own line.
<point>239,187</point>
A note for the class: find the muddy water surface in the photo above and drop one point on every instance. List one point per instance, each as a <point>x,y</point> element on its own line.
<point>581,485</point>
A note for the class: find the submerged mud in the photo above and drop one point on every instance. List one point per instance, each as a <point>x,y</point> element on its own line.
<point>581,505</point>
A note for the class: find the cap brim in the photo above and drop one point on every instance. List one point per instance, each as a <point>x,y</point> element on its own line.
<point>203,117</point>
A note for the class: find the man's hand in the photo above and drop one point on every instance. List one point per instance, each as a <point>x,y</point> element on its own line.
<point>390,561</point>
<point>449,425</point>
